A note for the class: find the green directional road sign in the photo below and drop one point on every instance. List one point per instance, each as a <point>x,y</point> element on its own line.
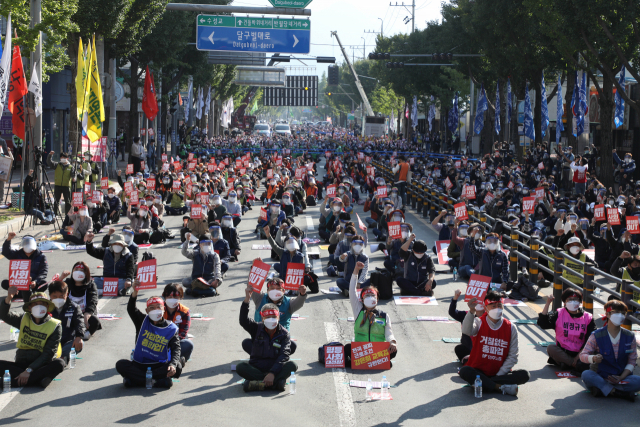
<point>292,4</point>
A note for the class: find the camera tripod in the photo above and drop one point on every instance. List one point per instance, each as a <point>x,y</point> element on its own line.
<point>43,191</point>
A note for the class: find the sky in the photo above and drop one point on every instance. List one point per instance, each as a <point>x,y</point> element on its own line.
<point>351,18</point>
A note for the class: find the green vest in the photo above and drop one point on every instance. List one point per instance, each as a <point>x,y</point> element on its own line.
<point>370,332</point>
<point>578,280</point>
<point>176,202</point>
<point>627,276</point>
<point>62,175</point>
<point>94,177</point>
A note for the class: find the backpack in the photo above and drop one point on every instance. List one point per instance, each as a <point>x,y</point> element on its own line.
<point>321,350</point>
<point>147,256</point>
<point>311,281</point>
<point>383,280</point>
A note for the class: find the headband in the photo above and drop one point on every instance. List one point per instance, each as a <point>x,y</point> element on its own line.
<point>369,291</point>
<point>489,301</point>
<point>266,313</point>
<point>155,300</point>
<point>79,267</point>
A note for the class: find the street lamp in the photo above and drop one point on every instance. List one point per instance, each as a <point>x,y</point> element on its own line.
<point>381,27</point>
<point>364,49</point>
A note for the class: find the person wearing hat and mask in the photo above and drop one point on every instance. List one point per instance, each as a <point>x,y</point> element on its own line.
<point>575,247</point>
<point>141,223</point>
<point>572,325</point>
<point>290,253</point>
<point>461,237</point>
<point>220,247</point>
<point>286,306</point>
<point>177,313</point>
<point>206,274</point>
<point>614,351</point>
<point>495,347</point>
<point>330,219</point>
<point>463,350</point>
<point>82,224</point>
<point>118,262</point>
<point>157,346</point>
<point>37,360</point>
<point>233,207</point>
<point>175,203</point>
<point>275,216</point>
<point>194,226</point>
<point>418,277</point>
<point>270,362</point>
<point>84,292</point>
<point>217,209</point>
<point>70,316</point>
<point>29,251</point>
<point>493,262</point>
<point>115,206</point>
<point>127,234</point>
<point>91,170</point>
<point>371,324</point>
<point>64,173</point>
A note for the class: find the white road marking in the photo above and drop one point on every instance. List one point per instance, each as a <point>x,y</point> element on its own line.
<point>317,267</point>
<point>310,226</point>
<point>341,381</point>
<point>5,398</point>
<point>103,301</point>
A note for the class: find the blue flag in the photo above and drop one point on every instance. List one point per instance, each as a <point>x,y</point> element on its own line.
<point>580,106</point>
<point>453,116</point>
<point>559,125</point>
<point>529,130</point>
<point>432,113</point>
<point>619,118</point>
<point>497,125</point>
<point>544,122</point>
<point>482,107</point>
<point>509,101</point>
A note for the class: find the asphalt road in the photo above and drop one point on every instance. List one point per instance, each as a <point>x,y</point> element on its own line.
<point>426,386</point>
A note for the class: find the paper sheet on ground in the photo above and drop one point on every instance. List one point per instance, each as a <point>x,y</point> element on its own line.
<point>415,301</point>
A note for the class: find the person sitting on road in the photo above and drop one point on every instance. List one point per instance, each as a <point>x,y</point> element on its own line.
<point>463,350</point>
<point>461,237</point>
<point>84,292</point>
<point>290,253</point>
<point>127,235</point>
<point>141,224</point>
<point>493,262</point>
<point>118,262</point>
<point>175,203</point>
<point>419,273</point>
<point>371,324</point>
<point>347,262</point>
<point>573,327</point>
<point>274,219</point>
<point>37,360</point>
<point>69,314</point>
<point>157,346</point>
<point>233,207</point>
<point>196,227</point>
<point>614,351</point>
<point>220,247</point>
<point>39,267</point>
<point>230,234</point>
<point>115,205</point>
<point>206,274</point>
<point>81,224</point>
<point>177,313</point>
<point>269,364</point>
<point>495,347</point>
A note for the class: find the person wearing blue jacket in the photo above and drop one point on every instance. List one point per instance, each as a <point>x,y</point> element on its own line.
<point>275,216</point>
<point>493,262</point>
<point>115,206</point>
<point>39,267</point>
<point>221,247</point>
<point>628,166</point>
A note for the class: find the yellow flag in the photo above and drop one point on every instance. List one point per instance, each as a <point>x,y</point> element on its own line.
<point>81,76</point>
<point>93,101</point>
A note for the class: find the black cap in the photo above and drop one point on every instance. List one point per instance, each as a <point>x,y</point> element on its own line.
<point>419,247</point>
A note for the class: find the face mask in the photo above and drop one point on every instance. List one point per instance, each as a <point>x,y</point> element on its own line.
<point>479,307</point>
<point>478,236</point>
<point>357,249</point>
<point>617,318</point>
<point>370,302</point>
<point>111,195</point>
<point>286,201</point>
<point>205,249</point>
<point>83,213</point>
<point>572,305</point>
<point>496,313</point>
<point>575,250</point>
<point>58,302</point>
<point>143,214</point>
<point>272,183</point>
<point>337,208</point>
<point>463,232</point>
<point>405,234</point>
<point>232,199</point>
<point>165,181</point>
<point>275,294</point>
<point>39,311</point>
<point>226,223</point>
<point>117,248</point>
<point>29,247</point>
<point>172,302</point>
<point>419,256</point>
<point>156,315</point>
<point>291,246</point>
<point>64,161</point>
<point>128,239</point>
<point>271,323</point>
<point>275,210</point>
<point>492,246</point>
<point>78,276</point>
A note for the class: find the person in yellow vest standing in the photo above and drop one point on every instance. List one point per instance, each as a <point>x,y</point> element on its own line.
<point>37,360</point>
<point>64,173</point>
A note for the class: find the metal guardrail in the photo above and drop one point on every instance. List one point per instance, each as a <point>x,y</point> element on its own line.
<point>429,202</point>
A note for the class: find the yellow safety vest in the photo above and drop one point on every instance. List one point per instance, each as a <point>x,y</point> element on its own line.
<point>578,280</point>
<point>627,276</point>
<point>34,336</point>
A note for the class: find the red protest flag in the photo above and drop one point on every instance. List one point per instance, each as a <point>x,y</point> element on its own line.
<point>17,90</point>
<point>149,101</point>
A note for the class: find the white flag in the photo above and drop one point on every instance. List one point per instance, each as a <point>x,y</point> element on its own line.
<point>207,104</point>
<point>5,65</point>
<point>392,122</point>
<point>201,102</point>
<point>36,90</point>
<point>198,98</point>
<point>187,107</point>
<point>230,111</point>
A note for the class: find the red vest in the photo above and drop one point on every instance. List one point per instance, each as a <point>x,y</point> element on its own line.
<point>580,176</point>
<point>490,348</point>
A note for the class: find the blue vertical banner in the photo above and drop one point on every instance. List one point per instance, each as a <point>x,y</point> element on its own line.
<point>414,113</point>
<point>580,107</point>
<point>432,112</point>
<point>497,119</point>
<point>529,130</point>
<point>482,107</point>
<point>560,108</point>
<point>509,103</point>
<point>544,122</point>
<point>619,118</point>
<point>454,119</point>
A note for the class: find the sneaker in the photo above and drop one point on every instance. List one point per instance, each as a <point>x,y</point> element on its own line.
<point>280,385</point>
<point>164,383</point>
<point>87,335</point>
<point>127,383</point>
<point>345,292</point>
<point>627,395</point>
<point>253,386</point>
<point>45,382</point>
<point>511,389</point>
<point>596,392</point>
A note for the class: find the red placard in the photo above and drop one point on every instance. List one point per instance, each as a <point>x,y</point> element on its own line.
<point>164,158</point>
<point>458,164</point>
<point>394,230</point>
<point>141,164</point>
<point>133,198</point>
<point>370,355</point>
<point>327,154</point>
<point>632,225</point>
<point>489,197</point>
<point>371,171</point>
<point>19,273</point>
<point>128,187</point>
<point>361,224</point>
<point>263,214</point>
<point>447,183</point>
<point>269,173</point>
<point>499,172</point>
<point>367,159</point>
<point>412,161</point>
<point>151,184</point>
<point>331,190</point>
<point>87,188</point>
<point>188,191</point>
<point>130,169</point>
<point>165,167</point>
<point>510,185</point>
<point>96,197</point>
<point>211,167</point>
<point>204,198</point>
<point>196,211</point>
<point>110,287</point>
<point>279,160</point>
<point>360,156</point>
<point>613,218</point>
<point>382,191</point>
<point>483,165</point>
<point>461,211</point>
<point>464,162</point>
<point>441,250</point>
<point>470,192</point>
<point>540,165</point>
<point>598,213</point>
<point>258,273</point>
<point>147,274</point>
<point>238,163</point>
<point>226,161</point>
<point>300,173</point>
<point>77,199</point>
<point>528,205</point>
<point>539,193</point>
<point>143,132</point>
<point>177,166</point>
<point>334,356</point>
<point>104,183</point>
<point>295,276</point>
<point>477,287</point>
<point>192,166</point>
<point>176,185</point>
<point>190,156</point>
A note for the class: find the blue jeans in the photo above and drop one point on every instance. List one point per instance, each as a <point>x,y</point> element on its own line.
<point>464,272</point>
<point>592,379</point>
<point>66,349</point>
<point>348,209</point>
<point>344,283</point>
<point>47,216</point>
<point>186,348</point>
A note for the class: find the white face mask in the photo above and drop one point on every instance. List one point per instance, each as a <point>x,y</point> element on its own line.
<point>156,315</point>
<point>206,249</point>
<point>617,318</point>
<point>275,294</point>
<point>117,248</point>
<point>30,246</point>
<point>492,246</point>
<point>143,213</point>
<point>232,199</point>
<point>271,323</point>
<point>463,232</point>
<point>226,223</point>
<point>83,213</point>
<point>370,302</point>
<point>575,250</point>
<point>291,246</point>
<point>479,307</point>
<point>78,276</point>
<point>59,302</point>
<point>419,256</point>
<point>478,236</point>
<point>572,305</point>
<point>128,238</point>
<point>357,249</point>
<point>39,311</point>
<point>172,302</point>
<point>337,208</point>
<point>405,234</point>
<point>111,195</point>
<point>496,313</point>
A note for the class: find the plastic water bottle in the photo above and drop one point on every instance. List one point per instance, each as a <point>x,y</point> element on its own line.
<point>6,382</point>
<point>384,389</point>
<point>596,292</point>
<point>14,334</point>
<point>477,387</point>
<point>455,273</point>
<point>369,390</point>
<point>292,383</point>
<point>149,378</point>
<point>132,351</point>
<point>72,358</point>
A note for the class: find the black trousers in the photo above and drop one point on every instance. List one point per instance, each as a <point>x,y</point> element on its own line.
<point>489,384</point>
<point>141,238</point>
<point>50,370</point>
<point>462,351</point>
<point>247,346</point>
<point>58,192</point>
<point>94,324</point>
<point>136,372</point>
<point>25,295</point>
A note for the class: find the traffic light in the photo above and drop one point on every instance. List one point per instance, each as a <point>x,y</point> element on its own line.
<point>386,55</point>
<point>334,75</point>
<point>329,94</point>
<point>442,56</point>
<point>395,64</point>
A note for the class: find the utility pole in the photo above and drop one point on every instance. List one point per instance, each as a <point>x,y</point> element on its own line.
<point>36,58</point>
<point>381,27</point>
<point>113,124</point>
<point>412,11</point>
<point>364,48</point>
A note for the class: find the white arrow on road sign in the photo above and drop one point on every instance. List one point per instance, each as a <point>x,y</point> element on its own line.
<point>211,37</point>
<point>296,40</point>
